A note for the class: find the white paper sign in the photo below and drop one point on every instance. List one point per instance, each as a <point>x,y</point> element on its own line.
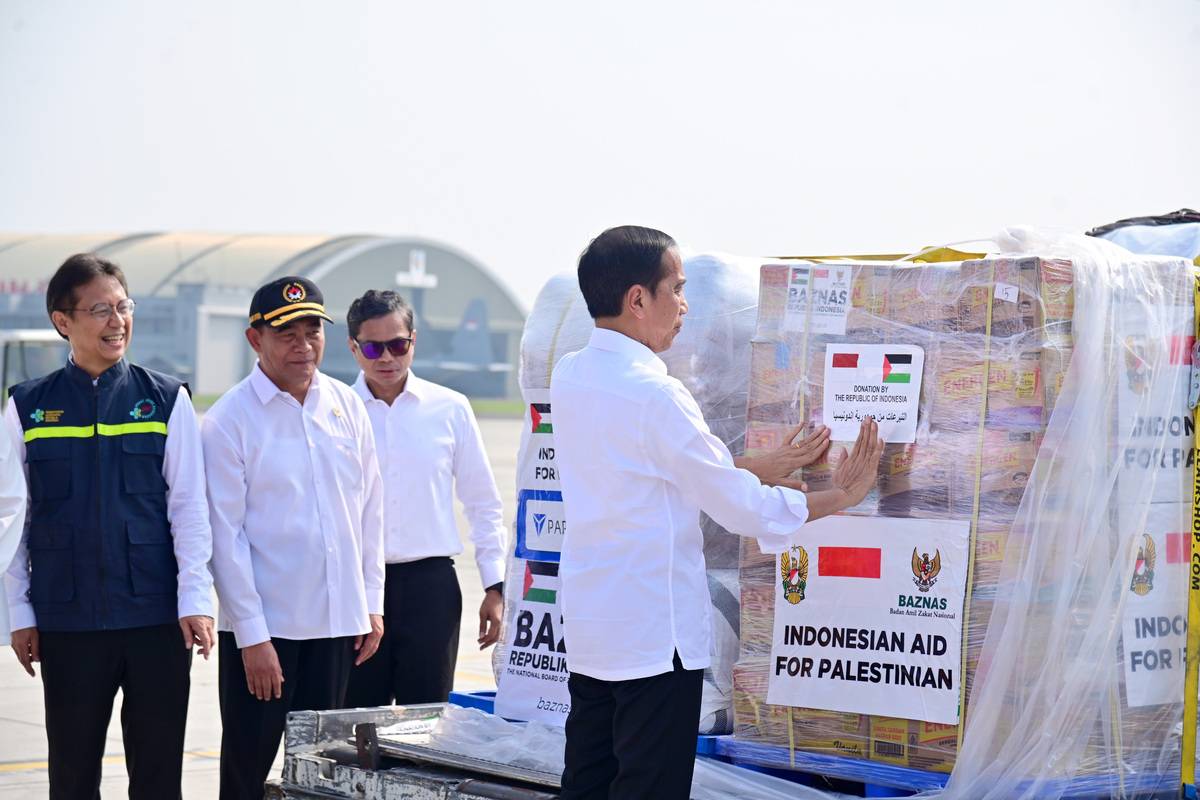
<point>1154,625</point>
<point>533,680</point>
<point>818,299</point>
<point>1155,423</point>
<point>880,380</point>
<point>868,618</point>
<point>541,524</point>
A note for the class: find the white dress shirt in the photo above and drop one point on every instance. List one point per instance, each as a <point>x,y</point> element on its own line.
<point>638,464</point>
<point>428,442</point>
<point>187,511</point>
<point>13,496</point>
<point>296,507</point>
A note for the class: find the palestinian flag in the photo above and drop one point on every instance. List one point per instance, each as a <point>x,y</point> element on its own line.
<point>541,582</point>
<point>539,413</point>
<point>800,276</point>
<point>849,562</point>
<point>897,368</point>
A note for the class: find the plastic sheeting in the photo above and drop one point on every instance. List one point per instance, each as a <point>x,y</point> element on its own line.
<point>1072,694</point>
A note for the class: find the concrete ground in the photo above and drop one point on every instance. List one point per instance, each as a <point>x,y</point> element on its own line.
<point>22,735</point>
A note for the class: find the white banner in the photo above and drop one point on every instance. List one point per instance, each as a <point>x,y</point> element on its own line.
<point>533,679</point>
<point>868,618</point>
<point>818,299</point>
<point>879,380</point>
<point>1154,625</point>
<point>541,523</point>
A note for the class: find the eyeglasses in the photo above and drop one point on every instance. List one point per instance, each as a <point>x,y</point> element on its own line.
<point>102,311</point>
<point>373,350</point>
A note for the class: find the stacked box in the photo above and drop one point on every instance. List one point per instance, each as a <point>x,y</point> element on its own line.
<point>970,460</point>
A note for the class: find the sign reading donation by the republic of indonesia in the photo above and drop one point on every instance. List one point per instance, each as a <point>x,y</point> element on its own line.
<point>878,380</point>
<point>868,618</point>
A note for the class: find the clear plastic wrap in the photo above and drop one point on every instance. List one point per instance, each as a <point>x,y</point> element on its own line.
<point>1051,419</point>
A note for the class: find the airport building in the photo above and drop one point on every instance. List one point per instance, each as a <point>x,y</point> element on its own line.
<point>193,291</point>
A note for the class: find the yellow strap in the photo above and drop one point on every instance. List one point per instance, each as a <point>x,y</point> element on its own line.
<point>88,431</point>
<point>1191,681</point>
<point>966,622</point>
<point>791,740</point>
<point>293,307</point>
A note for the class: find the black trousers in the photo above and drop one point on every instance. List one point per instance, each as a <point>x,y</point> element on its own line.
<point>81,673</point>
<point>422,611</point>
<point>315,672</point>
<point>634,738</point>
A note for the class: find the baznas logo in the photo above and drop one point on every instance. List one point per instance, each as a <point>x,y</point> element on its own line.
<point>1143,568</point>
<point>143,409</point>
<point>539,523</point>
<point>926,569</point>
<point>294,292</point>
<point>794,570</point>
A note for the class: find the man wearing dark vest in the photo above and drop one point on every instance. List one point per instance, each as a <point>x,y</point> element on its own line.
<point>113,566</point>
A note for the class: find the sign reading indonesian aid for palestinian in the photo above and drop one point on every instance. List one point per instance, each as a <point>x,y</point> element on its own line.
<point>878,380</point>
<point>869,618</point>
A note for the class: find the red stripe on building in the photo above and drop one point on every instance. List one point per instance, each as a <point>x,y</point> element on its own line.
<point>845,359</point>
<point>1177,548</point>
<point>848,562</point>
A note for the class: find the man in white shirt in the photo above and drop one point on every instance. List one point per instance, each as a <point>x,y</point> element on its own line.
<point>296,505</point>
<point>638,464</point>
<point>429,445</point>
<point>113,564</point>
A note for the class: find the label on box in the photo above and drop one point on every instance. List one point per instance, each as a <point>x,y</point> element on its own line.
<point>873,628</point>
<point>532,684</point>
<point>880,380</point>
<point>1154,624</point>
<point>541,523</point>
<point>818,298</point>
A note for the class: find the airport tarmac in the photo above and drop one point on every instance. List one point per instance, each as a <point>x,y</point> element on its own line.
<point>22,733</point>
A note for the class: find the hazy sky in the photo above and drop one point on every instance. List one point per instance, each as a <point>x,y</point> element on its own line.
<point>517,130</point>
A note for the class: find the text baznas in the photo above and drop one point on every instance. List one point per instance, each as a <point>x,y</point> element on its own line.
<point>864,671</point>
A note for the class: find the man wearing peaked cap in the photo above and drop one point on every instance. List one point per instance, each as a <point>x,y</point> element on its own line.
<point>296,505</point>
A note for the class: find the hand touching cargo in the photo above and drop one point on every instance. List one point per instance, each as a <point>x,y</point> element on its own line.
<point>776,467</point>
<point>854,474</point>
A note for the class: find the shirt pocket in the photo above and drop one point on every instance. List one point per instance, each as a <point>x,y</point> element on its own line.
<point>51,560</point>
<point>49,463</point>
<point>346,455</point>
<point>152,565</point>
<point>142,462</point>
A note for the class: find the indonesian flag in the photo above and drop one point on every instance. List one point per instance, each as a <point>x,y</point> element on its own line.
<point>849,562</point>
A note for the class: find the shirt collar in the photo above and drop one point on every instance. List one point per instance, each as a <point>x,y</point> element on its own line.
<point>606,339</point>
<point>413,386</point>
<point>265,388</point>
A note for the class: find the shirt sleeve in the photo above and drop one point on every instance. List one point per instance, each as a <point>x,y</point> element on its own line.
<point>679,443</point>
<point>475,486</point>
<point>16,578</point>
<point>13,504</point>
<point>187,508</point>
<point>372,519</point>
<point>232,570</point>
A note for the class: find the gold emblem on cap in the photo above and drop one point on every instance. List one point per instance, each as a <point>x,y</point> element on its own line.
<point>294,292</point>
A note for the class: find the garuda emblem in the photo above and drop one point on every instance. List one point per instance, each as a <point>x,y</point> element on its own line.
<point>926,569</point>
<point>1143,568</point>
<point>793,566</point>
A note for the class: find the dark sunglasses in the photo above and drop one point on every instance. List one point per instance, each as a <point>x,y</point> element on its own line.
<point>373,350</point>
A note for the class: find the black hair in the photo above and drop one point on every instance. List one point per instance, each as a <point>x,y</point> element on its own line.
<point>78,270</point>
<point>618,259</point>
<point>375,303</point>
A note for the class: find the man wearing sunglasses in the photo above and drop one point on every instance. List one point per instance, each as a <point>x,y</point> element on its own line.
<point>297,514</point>
<point>113,566</point>
<point>429,445</point>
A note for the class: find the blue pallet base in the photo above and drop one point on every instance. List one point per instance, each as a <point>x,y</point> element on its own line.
<point>486,702</point>
<point>884,780</point>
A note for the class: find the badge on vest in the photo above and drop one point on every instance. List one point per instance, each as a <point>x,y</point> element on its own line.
<point>46,415</point>
<point>143,409</point>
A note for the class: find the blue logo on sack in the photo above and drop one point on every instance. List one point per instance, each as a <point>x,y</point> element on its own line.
<point>539,523</point>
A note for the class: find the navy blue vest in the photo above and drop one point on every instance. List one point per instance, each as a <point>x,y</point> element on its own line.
<point>100,547</point>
